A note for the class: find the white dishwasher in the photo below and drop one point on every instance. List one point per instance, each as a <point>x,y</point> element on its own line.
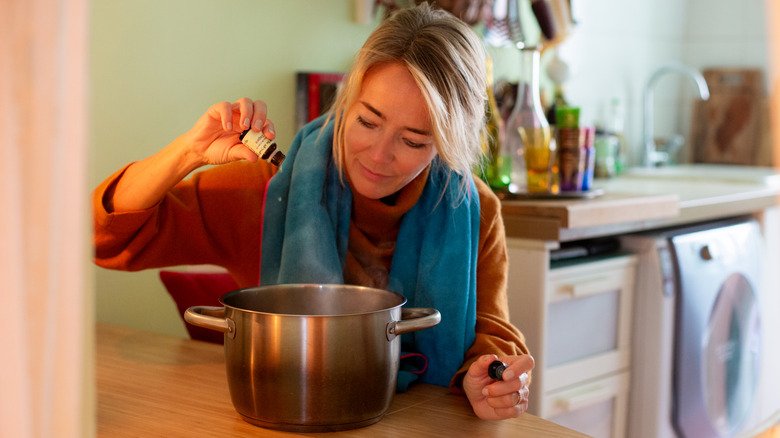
<point>697,330</point>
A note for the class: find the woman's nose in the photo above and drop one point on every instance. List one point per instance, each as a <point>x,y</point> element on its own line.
<point>382,150</point>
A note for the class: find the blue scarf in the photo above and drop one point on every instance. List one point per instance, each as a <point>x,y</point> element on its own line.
<point>305,235</point>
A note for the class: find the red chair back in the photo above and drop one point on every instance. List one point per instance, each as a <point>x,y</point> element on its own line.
<point>198,289</point>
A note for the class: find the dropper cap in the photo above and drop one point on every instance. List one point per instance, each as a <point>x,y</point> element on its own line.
<point>496,369</point>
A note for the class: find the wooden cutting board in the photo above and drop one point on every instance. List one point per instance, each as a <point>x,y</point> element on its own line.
<point>732,127</point>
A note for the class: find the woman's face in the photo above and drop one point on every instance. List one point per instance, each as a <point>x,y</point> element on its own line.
<point>388,132</point>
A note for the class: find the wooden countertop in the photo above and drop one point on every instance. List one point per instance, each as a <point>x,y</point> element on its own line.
<point>642,202</point>
<point>571,219</point>
<point>156,385</point>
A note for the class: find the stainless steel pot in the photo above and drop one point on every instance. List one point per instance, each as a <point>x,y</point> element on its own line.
<point>312,358</point>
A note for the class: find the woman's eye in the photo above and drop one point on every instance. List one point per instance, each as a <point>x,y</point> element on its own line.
<point>365,122</point>
<point>414,145</point>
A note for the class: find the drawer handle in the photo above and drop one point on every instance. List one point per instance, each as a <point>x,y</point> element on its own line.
<point>588,287</point>
<point>582,400</point>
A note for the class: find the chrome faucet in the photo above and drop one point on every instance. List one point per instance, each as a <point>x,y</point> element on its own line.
<point>655,157</point>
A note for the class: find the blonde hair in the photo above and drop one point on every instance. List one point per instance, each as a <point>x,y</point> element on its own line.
<point>447,60</point>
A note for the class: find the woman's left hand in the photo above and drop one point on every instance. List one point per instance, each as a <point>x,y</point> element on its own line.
<point>498,399</point>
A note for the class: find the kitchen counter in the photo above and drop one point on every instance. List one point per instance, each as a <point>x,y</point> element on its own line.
<point>646,200</point>
<point>542,294</point>
<point>155,385</point>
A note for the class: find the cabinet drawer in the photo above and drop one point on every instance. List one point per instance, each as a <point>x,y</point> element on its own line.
<point>588,320</point>
<point>597,408</point>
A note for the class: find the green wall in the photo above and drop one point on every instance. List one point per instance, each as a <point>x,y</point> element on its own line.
<point>157,65</point>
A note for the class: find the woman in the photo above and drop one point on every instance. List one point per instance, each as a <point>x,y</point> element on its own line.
<point>378,193</point>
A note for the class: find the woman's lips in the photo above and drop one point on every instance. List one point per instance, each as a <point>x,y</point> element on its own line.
<point>371,175</point>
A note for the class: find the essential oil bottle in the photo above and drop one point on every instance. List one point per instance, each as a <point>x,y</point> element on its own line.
<point>264,148</point>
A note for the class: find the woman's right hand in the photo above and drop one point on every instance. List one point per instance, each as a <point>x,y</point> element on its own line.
<point>214,137</point>
<point>212,140</point>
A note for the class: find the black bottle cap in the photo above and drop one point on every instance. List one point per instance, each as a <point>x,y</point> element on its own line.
<point>277,159</point>
<point>496,369</point>
<point>268,151</point>
<point>243,134</point>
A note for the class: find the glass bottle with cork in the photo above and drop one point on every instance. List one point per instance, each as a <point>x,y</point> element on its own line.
<point>529,143</point>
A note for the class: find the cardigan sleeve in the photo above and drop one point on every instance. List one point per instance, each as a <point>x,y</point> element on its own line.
<point>495,334</point>
<point>211,217</point>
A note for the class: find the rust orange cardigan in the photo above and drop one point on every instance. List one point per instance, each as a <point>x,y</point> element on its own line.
<point>214,217</point>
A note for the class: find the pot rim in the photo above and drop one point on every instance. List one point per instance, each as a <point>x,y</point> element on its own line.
<point>402,298</point>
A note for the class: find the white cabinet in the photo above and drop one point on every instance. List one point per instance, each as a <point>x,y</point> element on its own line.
<point>579,332</point>
<point>598,408</point>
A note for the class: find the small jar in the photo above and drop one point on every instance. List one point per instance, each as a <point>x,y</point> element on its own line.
<point>264,148</point>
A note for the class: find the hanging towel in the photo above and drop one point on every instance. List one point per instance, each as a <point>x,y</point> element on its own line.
<point>306,227</point>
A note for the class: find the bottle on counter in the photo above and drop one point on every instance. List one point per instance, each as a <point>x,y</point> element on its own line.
<point>495,169</point>
<point>610,141</point>
<point>576,154</point>
<point>529,145</point>
<point>588,134</point>
<point>607,148</point>
<point>571,153</point>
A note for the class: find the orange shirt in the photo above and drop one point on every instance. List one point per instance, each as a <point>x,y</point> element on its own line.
<point>214,217</point>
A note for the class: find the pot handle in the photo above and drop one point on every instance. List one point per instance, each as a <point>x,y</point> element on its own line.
<point>211,318</point>
<point>413,319</point>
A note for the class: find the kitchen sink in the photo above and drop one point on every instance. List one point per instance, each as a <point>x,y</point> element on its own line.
<point>721,173</point>
<point>692,182</point>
